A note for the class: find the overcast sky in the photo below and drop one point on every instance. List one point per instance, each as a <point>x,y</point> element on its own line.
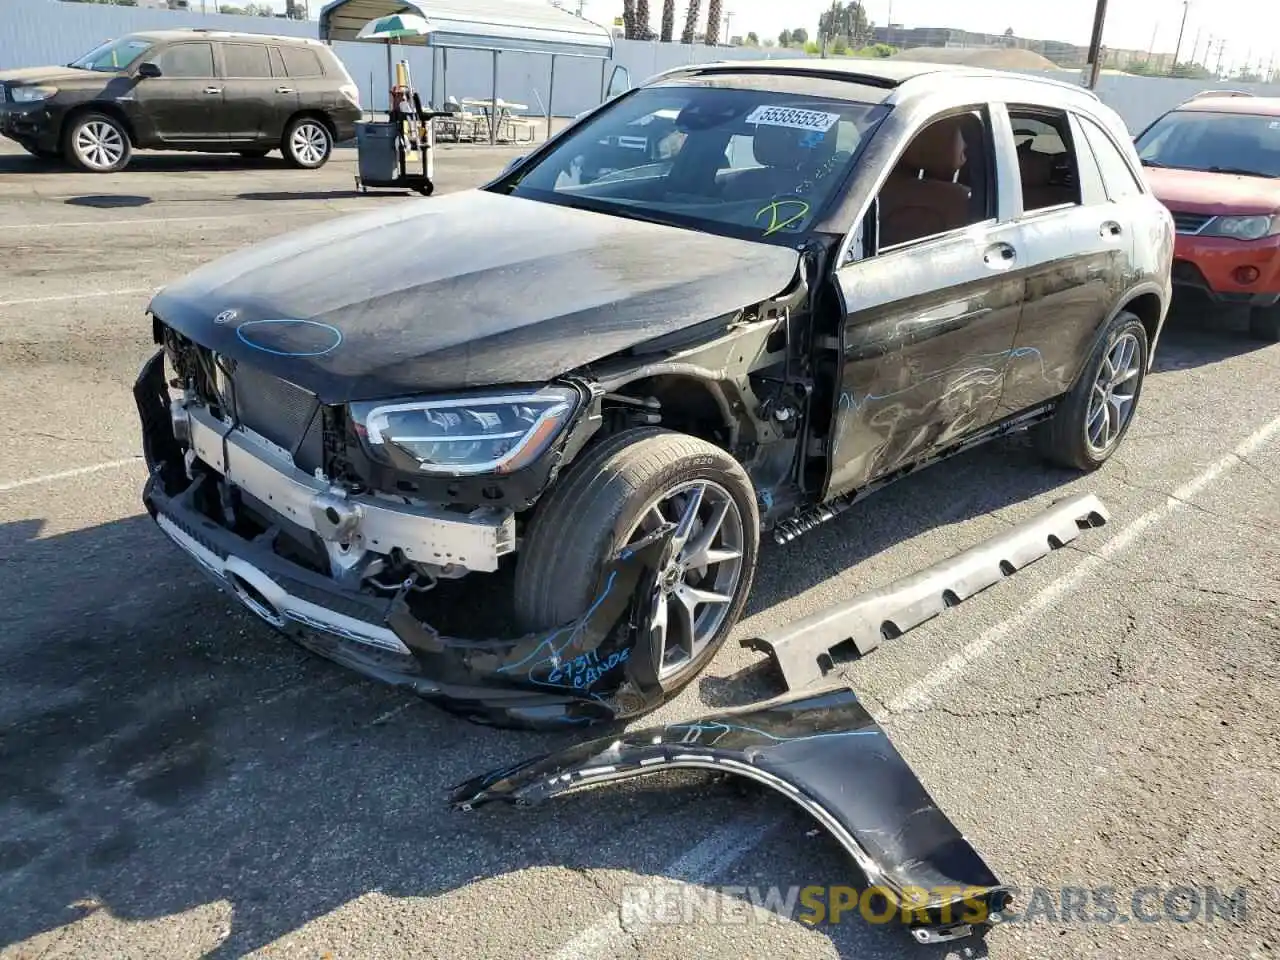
<point>1250,27</point>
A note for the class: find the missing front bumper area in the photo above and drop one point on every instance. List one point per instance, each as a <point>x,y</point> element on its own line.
<point>600,667</point>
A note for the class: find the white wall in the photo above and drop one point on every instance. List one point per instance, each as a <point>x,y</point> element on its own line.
<point>41,32</point>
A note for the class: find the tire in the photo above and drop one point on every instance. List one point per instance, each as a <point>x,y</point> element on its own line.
<point>97,143</point>
<point>1068,440</point>
<point>307,144</point>
<point>253,154</point>
<point>594,510</point>
<point>1264,324</point>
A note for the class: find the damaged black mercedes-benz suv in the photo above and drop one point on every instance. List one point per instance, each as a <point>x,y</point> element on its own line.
<point>737,298</point>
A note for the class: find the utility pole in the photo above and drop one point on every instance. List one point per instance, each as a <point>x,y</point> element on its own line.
<point>831,26</point>
<point>1095,44</point>
<point>1222,49</point>
<point>1151,50</point>
<point>1195,47</point>
<point>1186,6</point>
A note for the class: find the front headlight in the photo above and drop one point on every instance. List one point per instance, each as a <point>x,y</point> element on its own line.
<point>31,94</point>
<point>1243,228</point>
<point>464,436</point>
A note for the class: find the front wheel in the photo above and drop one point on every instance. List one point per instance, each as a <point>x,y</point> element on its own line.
<point>307,143</point>
<point>97,143</point>
<point>1093,418</point>
<point>623,488</point>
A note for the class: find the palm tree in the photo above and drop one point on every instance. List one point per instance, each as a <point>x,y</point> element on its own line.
<point>629,19</point>
<point>642,19</point>
<point>691,21</point>
<point>668,20</point>
<point>714,16</point>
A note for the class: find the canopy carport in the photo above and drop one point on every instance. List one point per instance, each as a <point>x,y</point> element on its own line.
<point>496,26</point>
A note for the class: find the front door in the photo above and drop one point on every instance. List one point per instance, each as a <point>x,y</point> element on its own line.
<point>184,103</point>
<point>931,316</point>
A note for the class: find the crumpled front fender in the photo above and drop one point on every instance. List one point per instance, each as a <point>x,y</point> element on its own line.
<point>824,752</point>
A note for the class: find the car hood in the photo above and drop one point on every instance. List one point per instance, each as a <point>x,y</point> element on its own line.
<point>1196,191</point>
<point>821,750</point>
<point>467,290</point>
<point>50,75</point>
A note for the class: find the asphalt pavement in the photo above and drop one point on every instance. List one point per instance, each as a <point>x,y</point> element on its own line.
<point>176,780</point>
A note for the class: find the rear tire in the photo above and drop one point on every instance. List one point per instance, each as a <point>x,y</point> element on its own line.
<point>605,501</point>
<point>1264,324</point>
<point>308,143</point>
<point>1094,417</point>
<point>97,143</point>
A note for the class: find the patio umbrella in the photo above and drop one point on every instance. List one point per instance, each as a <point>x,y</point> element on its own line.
<point>394,27</point>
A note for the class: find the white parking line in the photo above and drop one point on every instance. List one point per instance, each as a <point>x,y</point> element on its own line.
<point>79,296</point>
<point>66,474</point>
<point>735,840</point>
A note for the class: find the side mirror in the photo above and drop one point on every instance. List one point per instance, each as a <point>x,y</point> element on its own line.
<point>619,83</point>
<point>148,71</point>
<point>511,166</point>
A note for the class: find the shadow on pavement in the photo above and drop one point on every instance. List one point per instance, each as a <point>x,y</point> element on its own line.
<point>108,201</point>
<point>1197,334</point>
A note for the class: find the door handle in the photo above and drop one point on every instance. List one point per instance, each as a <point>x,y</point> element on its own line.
<point>284,89</point>
<point>1110,229</point>
<point>212,89</point>
<point>1000,256</point>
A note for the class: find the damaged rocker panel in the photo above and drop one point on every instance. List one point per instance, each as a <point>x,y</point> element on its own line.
<point>802,650</point>
<point>823,751</point>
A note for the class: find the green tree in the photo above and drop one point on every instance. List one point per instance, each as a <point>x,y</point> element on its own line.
<point>691,21</point>
<point>784,38</point>
<point>715,14</point>
<point>839,47</point>
<point>753,39</point>
<point>848,20</point>
<point>643,30</point>
<point>799,36</point>
<point>668,20</point>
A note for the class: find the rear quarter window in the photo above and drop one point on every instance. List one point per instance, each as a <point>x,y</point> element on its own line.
<point>300,62</point>
<point>1118,176</point>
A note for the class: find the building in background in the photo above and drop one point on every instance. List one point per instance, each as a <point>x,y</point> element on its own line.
<point>1067,55</point>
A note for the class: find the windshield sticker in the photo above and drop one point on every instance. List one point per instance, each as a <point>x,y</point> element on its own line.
<point>782,214</point>
<point>813,139</point>
<point>796,119</point>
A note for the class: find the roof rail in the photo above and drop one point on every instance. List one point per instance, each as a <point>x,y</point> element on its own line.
<point>1203,94</point>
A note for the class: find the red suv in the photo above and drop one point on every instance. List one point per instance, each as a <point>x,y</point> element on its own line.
<point>1214,162</point>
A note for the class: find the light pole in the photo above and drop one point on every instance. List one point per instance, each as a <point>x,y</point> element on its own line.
<point>1186,6</point>
<point>1095,43</point>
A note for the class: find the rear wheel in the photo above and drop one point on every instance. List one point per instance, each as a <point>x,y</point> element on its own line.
<point>624,488</point>
<point>1264,323</point>
<point>1093,418</point>
<point>97,143</point>
<point>307,143</point>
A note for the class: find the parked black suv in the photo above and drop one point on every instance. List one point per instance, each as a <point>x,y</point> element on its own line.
<point>184,90</point>
<point>607,371</point>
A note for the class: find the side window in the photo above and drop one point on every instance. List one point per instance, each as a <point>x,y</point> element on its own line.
<point>242,60</point>
<point>277,63</point>
<point>187,60</point>
<point>1116,172</point>
<point>1046,158</point>
<point>301,62</point>
<point>941,183</point>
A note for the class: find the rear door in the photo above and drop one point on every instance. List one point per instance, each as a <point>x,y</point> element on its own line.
<point>930,319</point>
<point>1078,250</point>
<point>306,78</point>
<point>184,103</point>
<point>249,91</point>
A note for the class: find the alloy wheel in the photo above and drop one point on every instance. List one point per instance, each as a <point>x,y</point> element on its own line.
<point>1114,391</point>
<point>99,145</point>
<point>310,143</point>
<point>697,587</point>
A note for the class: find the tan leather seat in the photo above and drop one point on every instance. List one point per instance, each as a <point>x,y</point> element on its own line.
<point>920,198</point>
<point>1038,189</point>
